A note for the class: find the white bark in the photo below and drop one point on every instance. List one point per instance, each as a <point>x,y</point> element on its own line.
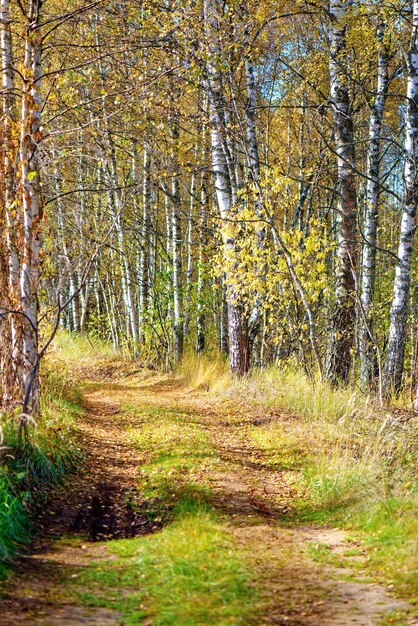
<point>393,368</point>
<point>145,241</point>
<point>84,303</point>
<point>190,264</point>
<point>12,373</point>
<point>66,267</point>
<point>371,210</point>
<point>203,225</point>
<point>31,201</point>
<point>224,320</point>
<point>176,245</point>
<point>342,332</point>
<point>254,168</point>
<point>116,203</point>
<point>226,192</point>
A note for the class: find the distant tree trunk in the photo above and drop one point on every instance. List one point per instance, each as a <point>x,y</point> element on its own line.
<point>109,312</point>
<point>203,240</point>
<point>254,168</point>
<point>394,363</point>
<point>176,244</point>
<point>168,269</point>
<point>224,332</point>
<point>190,264</point>
<point>145,241</point>
<point>83,297</point>
<point>66,267</point>
<point>127,292</point>
<point>371,211</point>
<point>85,301</point>
<point>343,322</point>
<point>116,206</point>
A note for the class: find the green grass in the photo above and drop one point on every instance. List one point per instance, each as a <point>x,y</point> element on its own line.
<point>338,492</point>
<point>25,473</point>
<point>395,618</point>
<point>72,348</point>
<point>283,447</point>
<point>177,456</point>
<point>190,573</point>
<point>390,530</point>
<point>14,521</point>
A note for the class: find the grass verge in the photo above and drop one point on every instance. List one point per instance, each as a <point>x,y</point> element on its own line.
<point>24,473</point>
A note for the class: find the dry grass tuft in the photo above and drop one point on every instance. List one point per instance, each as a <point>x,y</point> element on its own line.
<point>204,373</point>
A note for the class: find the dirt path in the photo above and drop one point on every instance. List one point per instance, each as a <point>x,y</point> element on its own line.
<point>303,595</point>
<point>94,507</point>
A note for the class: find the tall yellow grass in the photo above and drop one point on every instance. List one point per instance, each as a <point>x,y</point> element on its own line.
<point>205,373</point>
<point>352,447</point>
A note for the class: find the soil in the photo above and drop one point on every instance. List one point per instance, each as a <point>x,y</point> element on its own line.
<point>96,505</point>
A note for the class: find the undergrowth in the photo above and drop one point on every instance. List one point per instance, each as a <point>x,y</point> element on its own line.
<point>353,463</point>
<point>72,350</point>
<point>50,454</point>
<point>204,372</point>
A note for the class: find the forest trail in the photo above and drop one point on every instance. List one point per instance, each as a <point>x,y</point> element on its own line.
<point>105,502</point>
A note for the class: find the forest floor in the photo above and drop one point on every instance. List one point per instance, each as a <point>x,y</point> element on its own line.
<point>177,518</point>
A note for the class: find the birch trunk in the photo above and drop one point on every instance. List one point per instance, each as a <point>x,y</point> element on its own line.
<point>31,205</point>
<point>84,305</point>
<point>225,187</point>
<point>117,205</point>
<point>371,211</point>
<point>223,325</point>
<point>394,363</point>
<point>254,167</point>
<point>189,269</point>
<point>145,242</point>
<point>203,240</point>
<point>343,322</point>
<point>12,374</point>
<point>177,274</point>
<point>66,267</point>
<point>176,245</point>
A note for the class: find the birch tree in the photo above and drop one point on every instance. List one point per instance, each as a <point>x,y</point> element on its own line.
<point>31,194</point>
<point>145,240</point>
<point>371,216</point>
<point>394,363</point>
<point>12,322</point>
<point>177,243</point>
<point>225,189</point>
<point>343,322</point>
